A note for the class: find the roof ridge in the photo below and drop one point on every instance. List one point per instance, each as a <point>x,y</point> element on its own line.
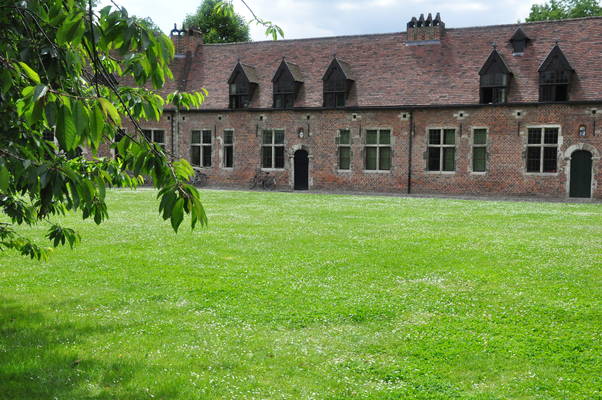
<point>516,24</point>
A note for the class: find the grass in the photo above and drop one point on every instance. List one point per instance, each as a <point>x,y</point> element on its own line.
<point>301,296</point>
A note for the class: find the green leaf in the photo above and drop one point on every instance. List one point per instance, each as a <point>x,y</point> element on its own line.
<point>80,117</point>
<point>4,178</point>
<point>177,214</point>
<point>97,122</point>
<point>65,129</point>
<point>31,74</point>
<point>109,110</point>
<point>39,92</point>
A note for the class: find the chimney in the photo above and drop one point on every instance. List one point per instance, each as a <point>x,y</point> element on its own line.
<point>425,31</point>
<point>186,40</point>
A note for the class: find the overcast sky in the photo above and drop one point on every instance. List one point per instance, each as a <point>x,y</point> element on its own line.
<point>314,18</point>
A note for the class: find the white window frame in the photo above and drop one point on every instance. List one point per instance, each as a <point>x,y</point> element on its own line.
<point>475,145</point>
<point>558,146</point>
<point>345,145</point>
<point>273,146</point>
<point>200,147</point>
<point>441,146</point>
<point>378,146</point>
<point>225,145</point>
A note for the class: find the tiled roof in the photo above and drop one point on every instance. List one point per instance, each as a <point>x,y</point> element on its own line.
<point>387,72</point>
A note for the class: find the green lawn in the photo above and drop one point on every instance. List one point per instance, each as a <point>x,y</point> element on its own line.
<point>302,296</point>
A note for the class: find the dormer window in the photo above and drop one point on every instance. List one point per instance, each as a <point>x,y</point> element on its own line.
<point>555,77</point>
<point>519,42</point>
<point>337,84</point>
<point>495,79</point>
<point>287,81</point>
<point>243,82</point>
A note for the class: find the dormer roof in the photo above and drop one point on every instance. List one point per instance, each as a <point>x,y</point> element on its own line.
<point>494,64</point>
<point>248,71</point>
<point>556,60</point>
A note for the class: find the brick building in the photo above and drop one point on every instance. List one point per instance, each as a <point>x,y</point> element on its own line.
<point>507,109</point>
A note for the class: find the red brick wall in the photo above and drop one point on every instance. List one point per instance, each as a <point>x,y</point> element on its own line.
<point>505,173</point>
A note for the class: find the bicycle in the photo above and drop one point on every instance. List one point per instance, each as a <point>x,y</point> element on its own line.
<point>264,179</point>
<point>199,179</point>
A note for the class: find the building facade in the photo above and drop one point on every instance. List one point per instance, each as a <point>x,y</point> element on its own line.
<point>496,110</point>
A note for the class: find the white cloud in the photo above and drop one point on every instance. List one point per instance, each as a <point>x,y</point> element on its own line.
<point>311,18</point>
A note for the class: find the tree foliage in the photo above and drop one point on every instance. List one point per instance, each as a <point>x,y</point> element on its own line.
<point>218,27</point>
<point>563,9</point>
<point>59,64</point>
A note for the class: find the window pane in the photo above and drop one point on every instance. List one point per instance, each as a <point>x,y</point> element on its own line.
<point>385,158</point>
<point>534,136</point>
<point>148,134</point>
<point>233,88</point>
<point>344,157</point>
<point>340,99</point>
<point>550,136</point>
<point>449,136</point>
<point>479,157</point>
<point>266,157</point>
<point>434,158</point>
<point>195,155</point>
<point>371,137</point>
<point>549,159</point>
<point>385,137</point>
<point>279,162</point>
<point>159,136</point>
<point>279,137</point>
<point>228,137</point>
<point>206,136</point>
<point>449,159</point>
<point>278,101</point>
<point>344,136</point>
<point>533,159</point>
<point>435,137</point>
<point>228,153</point>
<point>206,156</point>
<point>196,137</point>
<point>480,136</point>
<point>370,158</point>
<point>267,137</point>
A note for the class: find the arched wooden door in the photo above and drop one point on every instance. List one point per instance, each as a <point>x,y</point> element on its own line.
<point>301,170</point>
<point>581,174</point>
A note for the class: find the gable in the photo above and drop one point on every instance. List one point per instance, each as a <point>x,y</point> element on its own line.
<point>556,61</point>
<point>494,65</point>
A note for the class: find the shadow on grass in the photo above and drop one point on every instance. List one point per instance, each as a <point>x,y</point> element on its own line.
<point>38,360</point>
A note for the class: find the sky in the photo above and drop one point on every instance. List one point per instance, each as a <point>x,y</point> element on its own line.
<point>317,18</point>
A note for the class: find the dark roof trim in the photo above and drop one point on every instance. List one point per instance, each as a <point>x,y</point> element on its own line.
<point>556,52</point>
<point>247,70</point>
<point>519,34</point>
<point>343,66</point>
<point>495,59</point>
<point>416,107</point>
<point>292,68</point>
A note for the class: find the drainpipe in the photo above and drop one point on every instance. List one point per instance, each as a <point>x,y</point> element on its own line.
<point>410,140</point>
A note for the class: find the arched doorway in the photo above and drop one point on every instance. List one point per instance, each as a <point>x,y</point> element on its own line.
<point>301,170</point>
<point>581,174</point>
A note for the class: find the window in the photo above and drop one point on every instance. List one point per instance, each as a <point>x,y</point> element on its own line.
<point>555,77</point>
<point>378,150</point>
<point>337,84</point>
<point>479,150</point>
<point>242,84</point>
<point>442,149</point>
<point>286,85</point>
<point>542,150</point>
<point>344,149</point>
<point>200,148</point>
<point>228,148</point>
<point>519,41</point>
<point>155,136</point>
<point>494,80</point>
<point>272,149</point>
